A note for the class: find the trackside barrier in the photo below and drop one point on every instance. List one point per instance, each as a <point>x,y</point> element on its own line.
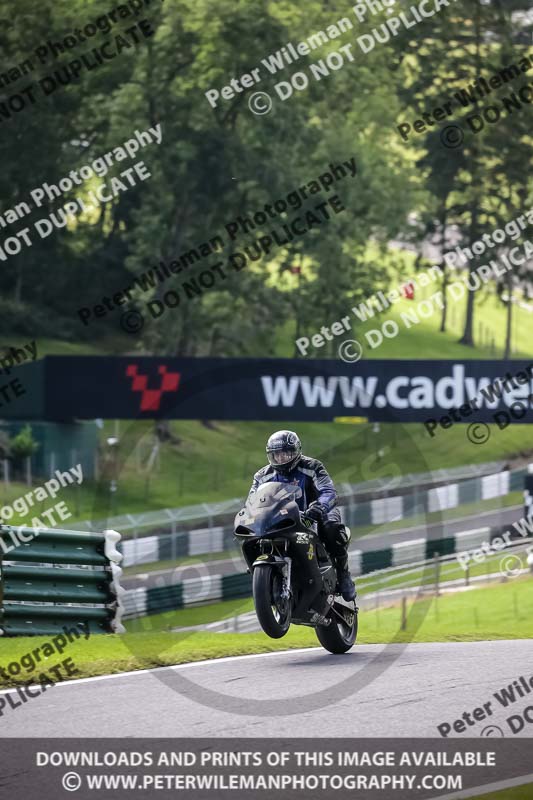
<point>53,578</point>
<point>411,555</point>
<point>408,552</point>
<point>169,534</point>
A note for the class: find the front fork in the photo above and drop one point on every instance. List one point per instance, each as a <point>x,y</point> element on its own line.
<point>286,572</point>
<point>283,563</point>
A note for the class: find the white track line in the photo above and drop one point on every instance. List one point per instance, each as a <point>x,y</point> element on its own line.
<point>241,658</point>
<point>175,666</point>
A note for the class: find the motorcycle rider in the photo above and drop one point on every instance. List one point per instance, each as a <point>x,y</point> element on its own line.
<point>318,499</point>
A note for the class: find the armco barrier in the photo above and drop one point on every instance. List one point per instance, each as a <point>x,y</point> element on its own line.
<point>53,578</point>
<point>213,588</point>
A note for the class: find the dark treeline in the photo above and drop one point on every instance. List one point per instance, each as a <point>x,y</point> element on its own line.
<point>123,72</point>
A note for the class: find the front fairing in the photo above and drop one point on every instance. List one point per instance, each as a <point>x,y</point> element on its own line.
<point>270,510</point>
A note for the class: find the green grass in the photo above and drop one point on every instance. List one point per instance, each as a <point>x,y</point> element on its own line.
<point>450,571</point>
<point>494,612</point>
<point>424,339</point>
<point>213,465</point>
<point>217,464</point>
<point>192,615</point>
<point>517,793</point>
<point>139,569</point>
<point>115,344</point>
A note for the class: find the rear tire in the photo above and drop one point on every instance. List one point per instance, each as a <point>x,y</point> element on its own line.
<point>337,637</point>
<point>273,612</point>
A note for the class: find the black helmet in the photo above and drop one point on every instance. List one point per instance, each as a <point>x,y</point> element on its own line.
<point>284,450</point>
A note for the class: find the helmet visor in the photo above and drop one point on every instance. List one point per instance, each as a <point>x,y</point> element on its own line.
<point>280,456</point>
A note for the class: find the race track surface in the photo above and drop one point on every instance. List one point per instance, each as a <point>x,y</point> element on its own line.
<point>397,690</point>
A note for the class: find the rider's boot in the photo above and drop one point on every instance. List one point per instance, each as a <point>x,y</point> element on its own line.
<point>344,579</point>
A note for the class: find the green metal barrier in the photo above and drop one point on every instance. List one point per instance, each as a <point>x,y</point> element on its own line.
<point>239,585</point>
<point>164,598</point>
<point>56,585</point>
<point>376,559</point>
<point>441,547</point>
<point>50,579</point>
<point>53,547</point>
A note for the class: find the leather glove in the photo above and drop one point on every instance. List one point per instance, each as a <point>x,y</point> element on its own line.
<point>316,511</point>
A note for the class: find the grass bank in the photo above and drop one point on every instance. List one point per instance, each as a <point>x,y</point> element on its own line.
<point>501,611</point>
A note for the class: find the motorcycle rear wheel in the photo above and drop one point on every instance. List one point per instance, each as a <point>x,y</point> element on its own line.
<point>273,611</point>
<point>338,637</point>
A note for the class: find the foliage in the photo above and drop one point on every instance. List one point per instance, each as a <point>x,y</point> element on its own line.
<point>23,444</point>
<point>216,164</point>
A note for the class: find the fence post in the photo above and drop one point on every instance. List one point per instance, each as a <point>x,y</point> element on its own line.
<point>404,613</point>
<point>467,576</point>
<point>437,573</point>
<point>173,541</point>
<point>528,492</point>
<point>208,514</point>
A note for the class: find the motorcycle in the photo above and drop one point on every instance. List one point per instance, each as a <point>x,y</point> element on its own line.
<point>293,577</point>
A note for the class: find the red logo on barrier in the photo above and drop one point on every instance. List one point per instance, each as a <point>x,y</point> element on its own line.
<point>151,398</point>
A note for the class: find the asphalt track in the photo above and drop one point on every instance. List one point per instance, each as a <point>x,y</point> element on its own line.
<point>375,690</point>
<point>375,541</point>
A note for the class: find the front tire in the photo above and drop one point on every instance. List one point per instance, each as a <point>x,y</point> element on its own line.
<point>338,637</point>
<point>273,611</point>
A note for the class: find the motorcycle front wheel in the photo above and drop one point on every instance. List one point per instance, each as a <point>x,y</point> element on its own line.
<point>340,635</point>
<point>273,611</point>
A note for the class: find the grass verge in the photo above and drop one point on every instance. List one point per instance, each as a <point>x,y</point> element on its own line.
<point>517,793</point>
<point>495,612</point>
<point>449,571</point>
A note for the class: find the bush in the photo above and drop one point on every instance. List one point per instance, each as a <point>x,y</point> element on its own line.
<point>23,445</point>
<point>22,319</point>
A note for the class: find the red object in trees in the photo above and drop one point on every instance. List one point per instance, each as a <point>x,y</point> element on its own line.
<point>408,291</point>
<point>296,270</point>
